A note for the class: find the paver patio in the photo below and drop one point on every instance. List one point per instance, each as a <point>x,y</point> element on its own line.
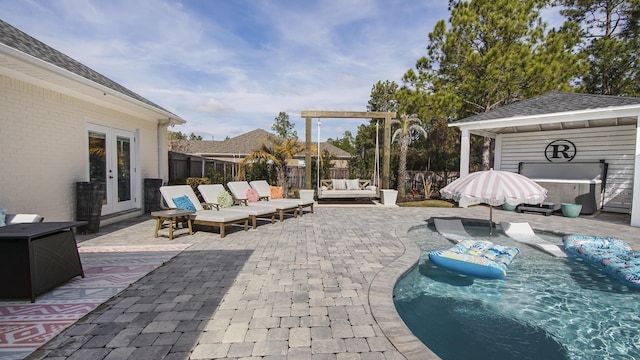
<point>317,286</point>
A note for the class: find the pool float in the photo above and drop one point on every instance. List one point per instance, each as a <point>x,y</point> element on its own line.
<point>481,259</point>
<point>612,255</point>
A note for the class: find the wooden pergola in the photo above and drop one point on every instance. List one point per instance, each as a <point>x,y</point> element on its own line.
<point>386,147</point>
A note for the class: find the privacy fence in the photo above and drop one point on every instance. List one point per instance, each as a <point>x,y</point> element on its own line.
<point>419,184</point>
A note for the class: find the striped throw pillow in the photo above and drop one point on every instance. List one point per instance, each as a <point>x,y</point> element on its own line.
<point>353,184</point>
<point>339,184</point>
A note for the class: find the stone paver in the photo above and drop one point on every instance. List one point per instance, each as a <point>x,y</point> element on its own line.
<point>313,287</point>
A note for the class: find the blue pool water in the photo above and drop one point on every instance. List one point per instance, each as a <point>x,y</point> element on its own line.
<point>546,308</point>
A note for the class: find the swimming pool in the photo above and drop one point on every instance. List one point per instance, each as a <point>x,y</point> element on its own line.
<point>546,308</point>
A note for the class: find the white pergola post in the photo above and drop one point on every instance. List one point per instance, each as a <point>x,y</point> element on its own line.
<point>635,204</point>
<point>465,149</point>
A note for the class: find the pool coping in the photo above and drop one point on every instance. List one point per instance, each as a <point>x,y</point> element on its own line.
<point>381,300</point>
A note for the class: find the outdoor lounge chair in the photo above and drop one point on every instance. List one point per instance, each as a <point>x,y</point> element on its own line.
<point>201,216</point>
<point>210,194</point>
<point>239,191</point>
<point>264,191</point>
<point>522,232</point>
<point>451,229</point>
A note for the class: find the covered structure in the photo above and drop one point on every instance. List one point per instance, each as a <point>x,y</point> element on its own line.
<point>386,156</point>
<point>567,128</point>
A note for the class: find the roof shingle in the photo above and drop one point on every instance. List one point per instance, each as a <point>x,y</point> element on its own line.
<point>553,102</point>
<point>29,45</point>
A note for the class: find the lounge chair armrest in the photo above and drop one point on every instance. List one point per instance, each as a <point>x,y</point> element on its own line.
<point>210,206</point>
<point>241,202</point>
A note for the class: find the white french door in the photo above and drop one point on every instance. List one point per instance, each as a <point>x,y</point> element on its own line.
<point>112,162</point>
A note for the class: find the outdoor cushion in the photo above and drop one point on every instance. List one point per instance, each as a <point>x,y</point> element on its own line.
<point>22,218</point>
<point>3,214</point>
<point>276,192</point>
<point>224,199</point>
<point>353,184</point>
<point>339,184</point>
<point>183,202</point>
<point>252,195</point>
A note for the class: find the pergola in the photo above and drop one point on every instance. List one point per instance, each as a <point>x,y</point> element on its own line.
<point>386,156</point>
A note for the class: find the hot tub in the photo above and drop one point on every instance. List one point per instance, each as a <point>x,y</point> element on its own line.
<point>575,183</point>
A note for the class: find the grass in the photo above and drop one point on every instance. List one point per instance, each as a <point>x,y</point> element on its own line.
<point>426,203</point>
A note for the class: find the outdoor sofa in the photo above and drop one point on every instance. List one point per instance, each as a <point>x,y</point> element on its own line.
<point>346,189</point>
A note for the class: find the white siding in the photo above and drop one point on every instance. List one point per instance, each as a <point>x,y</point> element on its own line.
<point>43,147</point>
<point>615,145</point>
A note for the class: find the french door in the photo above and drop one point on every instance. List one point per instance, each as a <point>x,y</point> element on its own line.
<point>112,162</point>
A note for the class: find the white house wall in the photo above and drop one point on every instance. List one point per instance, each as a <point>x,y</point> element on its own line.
<point>43,147</point>
<point>616,145</point>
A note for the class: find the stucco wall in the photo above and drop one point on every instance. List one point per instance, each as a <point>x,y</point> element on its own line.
<point>43,148</point>
<point>616,145</point>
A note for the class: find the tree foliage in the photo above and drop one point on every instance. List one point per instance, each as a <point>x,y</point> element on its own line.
<point>346,142</point>
<point>283,127</point>
<point>276,152</point>
<point>178,135</point>
<point>410,128</point>
<point>609,31</point>
<point>493,53</point>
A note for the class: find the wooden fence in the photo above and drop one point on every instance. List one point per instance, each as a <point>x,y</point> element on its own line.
<point>419,184</point>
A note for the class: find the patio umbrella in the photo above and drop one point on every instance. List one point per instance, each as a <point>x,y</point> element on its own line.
<point>494,188</point>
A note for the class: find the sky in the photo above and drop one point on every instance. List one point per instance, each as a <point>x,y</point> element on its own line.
<point>231,66</point>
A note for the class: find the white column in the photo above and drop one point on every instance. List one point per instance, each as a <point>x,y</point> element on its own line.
<point>497,156</point>
<point>635,203</point>
<point>465,149</point>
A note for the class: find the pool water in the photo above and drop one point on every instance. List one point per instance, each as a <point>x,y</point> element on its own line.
<point>546,308</point>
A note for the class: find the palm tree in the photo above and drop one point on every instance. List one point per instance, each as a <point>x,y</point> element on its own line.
<point>408,124</point>
<point>278,151</point>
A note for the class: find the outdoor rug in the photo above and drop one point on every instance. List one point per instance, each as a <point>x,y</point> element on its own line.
<point>24,326</point>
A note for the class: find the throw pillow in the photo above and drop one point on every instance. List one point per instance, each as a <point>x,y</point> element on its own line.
<point>252,195</point>
<point>3,215</point>
<point>184,203</point>
<point>224,199</point>
<point>275,192</point>
<point>339,184</point>
<point>353,184</point>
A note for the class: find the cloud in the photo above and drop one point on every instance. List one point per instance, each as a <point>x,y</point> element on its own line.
<point>213,106</point>
<point>230,66</point>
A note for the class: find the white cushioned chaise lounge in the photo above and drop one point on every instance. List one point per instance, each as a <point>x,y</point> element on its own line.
<point>264,191</point>
<point>220,218</point>
<point>210,194</point>
<point>239,191</point>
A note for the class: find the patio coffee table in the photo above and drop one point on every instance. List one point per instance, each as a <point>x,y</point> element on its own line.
<point>172,216</point>
<point>36,257</point>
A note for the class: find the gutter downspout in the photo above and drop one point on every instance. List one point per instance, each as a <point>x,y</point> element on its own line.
<point>163,150</point>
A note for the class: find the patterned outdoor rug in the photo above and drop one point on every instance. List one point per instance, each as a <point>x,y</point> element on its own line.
<point>108,270</point>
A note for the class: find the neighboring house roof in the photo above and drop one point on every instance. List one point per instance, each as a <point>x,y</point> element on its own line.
<point>555,110</point>
<point>241,145</point>
<point>38,52</point>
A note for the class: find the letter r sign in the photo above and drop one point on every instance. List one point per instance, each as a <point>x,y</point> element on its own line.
<point>560,151</point>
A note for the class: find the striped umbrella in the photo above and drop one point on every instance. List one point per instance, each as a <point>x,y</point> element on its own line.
<point>494,188</point>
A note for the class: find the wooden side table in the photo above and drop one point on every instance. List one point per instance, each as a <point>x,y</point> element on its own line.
<point>172,216</point>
